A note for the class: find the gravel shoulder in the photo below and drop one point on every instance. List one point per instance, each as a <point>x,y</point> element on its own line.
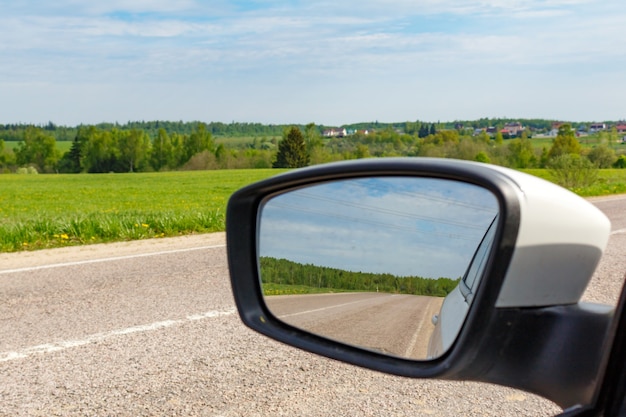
<point>69,254</point>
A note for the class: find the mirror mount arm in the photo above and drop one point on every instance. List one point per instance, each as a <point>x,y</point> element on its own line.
<point>570,333</point>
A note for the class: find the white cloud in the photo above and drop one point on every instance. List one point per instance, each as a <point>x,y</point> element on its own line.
<point>386,59</point>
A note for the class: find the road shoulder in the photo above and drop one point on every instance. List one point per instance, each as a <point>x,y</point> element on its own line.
<point>29,259</point>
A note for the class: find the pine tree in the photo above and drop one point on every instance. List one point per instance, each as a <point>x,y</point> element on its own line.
<point>292,151</point>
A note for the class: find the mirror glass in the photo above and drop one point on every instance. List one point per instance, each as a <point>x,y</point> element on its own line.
<point>382,263</point>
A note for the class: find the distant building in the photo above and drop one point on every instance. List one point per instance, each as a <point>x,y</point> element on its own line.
<point>597,127</point>
<point>335,133</point>
<point>479,131</point>
<point>512,129</point>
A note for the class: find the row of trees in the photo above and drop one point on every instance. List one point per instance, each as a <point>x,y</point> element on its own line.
<point>102,150</point>
<point>516,153</point>
<point>14,132</point>
<point>285,272</point>
<point>97,150</point>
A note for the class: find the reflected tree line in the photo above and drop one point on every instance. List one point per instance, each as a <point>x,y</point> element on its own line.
<point>281,276</point>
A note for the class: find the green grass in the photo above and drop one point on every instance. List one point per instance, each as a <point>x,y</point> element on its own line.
<point>586,142</point>
<point>282,289</point>
<point>62,146</point>
<point>42,211</point>
<point>610,181</point>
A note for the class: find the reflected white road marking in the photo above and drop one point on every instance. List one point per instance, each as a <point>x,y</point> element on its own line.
<point>408,353</point>
<point>322,309</point>
<point>98,337</point>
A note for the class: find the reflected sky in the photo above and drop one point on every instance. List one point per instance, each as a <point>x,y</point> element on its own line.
<point>406,226</point>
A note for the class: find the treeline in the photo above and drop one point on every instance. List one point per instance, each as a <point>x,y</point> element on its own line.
<point>285,272</point>
<point>519,153</point>
<point>15,132</point>
<point>129,149</point>
<point>96,150</point>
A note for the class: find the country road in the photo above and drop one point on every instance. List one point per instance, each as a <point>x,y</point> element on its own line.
<point>396,324</point>
<point>149,328</point>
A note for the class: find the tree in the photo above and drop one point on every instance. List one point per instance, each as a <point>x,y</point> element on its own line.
<point>161,153</point>
<point>362,151</point>
<point>6,157</point>
<point>38,148</point>
<point>482,157</point>
<point>521,153</point>
<point>499,138</point>
<point>292,150</point>
<point>602,156</point>
<point>133,148</point>
<point>423,131</point>
<point>565,142</point>
<point>199,140</point>
<point>572,170</point>
<point>312,137</point>
<point>100,152</point>
<point>71,160</point>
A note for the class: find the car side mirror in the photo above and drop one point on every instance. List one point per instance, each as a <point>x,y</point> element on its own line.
<point>369,261</point>
<point>352,260</point>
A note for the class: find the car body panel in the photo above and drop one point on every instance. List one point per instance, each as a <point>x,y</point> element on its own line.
<point>561,235</point>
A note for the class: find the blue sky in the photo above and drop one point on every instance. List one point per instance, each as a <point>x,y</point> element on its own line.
<point>331,63</point>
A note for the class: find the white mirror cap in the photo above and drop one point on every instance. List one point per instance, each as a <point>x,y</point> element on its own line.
<point>560,242</point>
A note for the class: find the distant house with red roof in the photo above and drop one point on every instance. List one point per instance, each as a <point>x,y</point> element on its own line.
<point>512,129</point>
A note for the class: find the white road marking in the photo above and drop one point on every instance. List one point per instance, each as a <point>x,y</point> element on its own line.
<point>98,337</point>
<point>323,308</point>
<point>619,231</point>
<point>115,258</point>
<point>418,332</point>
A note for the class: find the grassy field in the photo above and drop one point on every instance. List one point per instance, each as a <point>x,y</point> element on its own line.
<point>62,146</point>
<point>610,181</point>
<point>41,211</point>
<point>587,142</point>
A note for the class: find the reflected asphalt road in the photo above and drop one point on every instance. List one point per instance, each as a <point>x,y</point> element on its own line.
<point>396,324</point>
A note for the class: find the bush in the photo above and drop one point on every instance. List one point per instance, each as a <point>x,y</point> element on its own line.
<point>27,170</point>
<point>620,163</point>
<point>573,171</point>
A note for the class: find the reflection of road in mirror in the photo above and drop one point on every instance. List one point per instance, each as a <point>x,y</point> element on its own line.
<point>394,324</point>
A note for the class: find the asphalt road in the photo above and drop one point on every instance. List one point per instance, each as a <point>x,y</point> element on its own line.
<point>149,328</point>
<point>395,324</point>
